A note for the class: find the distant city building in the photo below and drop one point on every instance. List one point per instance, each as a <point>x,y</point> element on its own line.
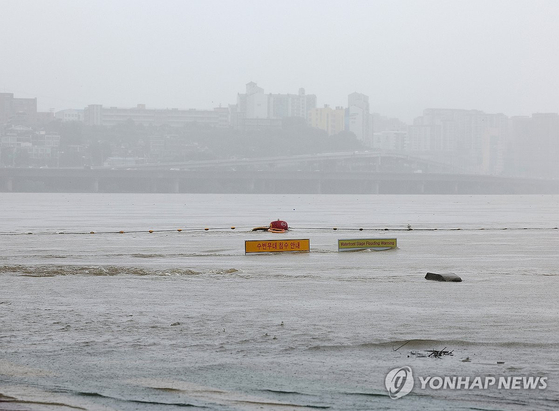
<point>291,105</point>
<point>330,120</point>
<point>96,114</point>
<point>235,115</point>
<point>491,159</point>
<point>389,134</point>
<point>391,140</point>
<point>360,121</point>
<point>470,139</point>
<point>534,145</point>
<point>223,117</point>
<point>520,149</point>
<point>423,138</point>
<point>255,104</point>
<point>19,142</point>
<point>70,115</point>
<point>44,117</point>
<point>92,115</point>
<point>383,123</point>
<point>22,111</point>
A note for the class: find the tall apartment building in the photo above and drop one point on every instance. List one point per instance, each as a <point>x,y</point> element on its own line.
<point>360,121</point>
<point>92,115</point>
<point>470,139</point>
<point>425,138</point>
<point>534,145</point>
<point>291,105</point>
<point>255,104</point>
<point>546,136</point>
<point>96,114</point>
<point>330,120</point>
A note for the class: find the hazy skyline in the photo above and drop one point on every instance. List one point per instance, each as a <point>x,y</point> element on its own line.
<point>495,56</point>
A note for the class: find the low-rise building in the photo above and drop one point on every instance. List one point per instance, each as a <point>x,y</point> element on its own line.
<point>17,111</point>
<point>96,114</point>
<point>391,140</point>
<point>36,147</point>
<point>69,115</point>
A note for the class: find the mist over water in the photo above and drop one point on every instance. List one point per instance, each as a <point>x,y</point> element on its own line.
<point>146,321</point>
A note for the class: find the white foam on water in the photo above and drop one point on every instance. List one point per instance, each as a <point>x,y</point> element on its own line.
<point>40,400</point>
<point>217,396</point>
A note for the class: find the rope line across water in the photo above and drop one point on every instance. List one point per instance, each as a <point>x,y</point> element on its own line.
<point>241,229</point>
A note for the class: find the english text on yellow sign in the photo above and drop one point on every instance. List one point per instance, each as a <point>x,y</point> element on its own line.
<point>276,246</point>
<point>364,243</point>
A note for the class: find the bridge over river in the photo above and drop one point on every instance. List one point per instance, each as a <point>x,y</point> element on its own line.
<point>271,180</point>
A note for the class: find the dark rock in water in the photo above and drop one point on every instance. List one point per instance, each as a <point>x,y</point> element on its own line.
<point>443,277</point>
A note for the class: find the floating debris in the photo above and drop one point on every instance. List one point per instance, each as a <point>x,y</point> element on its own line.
<point>439,354</point>
<point>432,353</point>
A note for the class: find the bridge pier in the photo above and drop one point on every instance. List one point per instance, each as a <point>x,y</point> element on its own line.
<point>152,185</point>
<point>94,187</point>
<point>175,185</point>
<point>7,184</point>
<point>370,187</point>
<point>251,184</point>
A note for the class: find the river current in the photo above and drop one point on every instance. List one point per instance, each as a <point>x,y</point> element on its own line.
<point>149,302</point>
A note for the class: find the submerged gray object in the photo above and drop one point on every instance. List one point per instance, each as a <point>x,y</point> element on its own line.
<point>443,277</point>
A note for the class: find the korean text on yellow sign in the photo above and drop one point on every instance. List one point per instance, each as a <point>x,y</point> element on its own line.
<point>363,243</point>
<point>276,246</point>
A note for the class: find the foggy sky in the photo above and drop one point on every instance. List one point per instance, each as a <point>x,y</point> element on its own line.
<point>492,55</point>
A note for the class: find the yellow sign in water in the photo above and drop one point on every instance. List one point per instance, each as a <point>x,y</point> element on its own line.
<point>276,246</point>
<point>365,243</point>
